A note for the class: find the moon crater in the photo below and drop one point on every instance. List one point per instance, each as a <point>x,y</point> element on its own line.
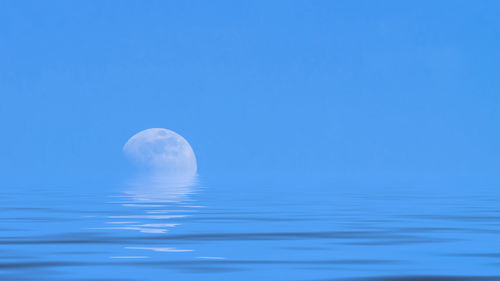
<point>163,152</point>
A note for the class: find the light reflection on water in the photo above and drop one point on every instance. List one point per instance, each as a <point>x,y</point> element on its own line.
<point>188,232</point>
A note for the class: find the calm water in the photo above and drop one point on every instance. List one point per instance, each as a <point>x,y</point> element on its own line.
<point>241,232</point>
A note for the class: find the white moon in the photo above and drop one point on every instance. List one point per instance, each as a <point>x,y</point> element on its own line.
<point>162,151</point>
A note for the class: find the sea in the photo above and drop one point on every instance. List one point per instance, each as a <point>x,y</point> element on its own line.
<point>248,230</point>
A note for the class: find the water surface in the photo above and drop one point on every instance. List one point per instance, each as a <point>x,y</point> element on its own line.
<point>238,232</point>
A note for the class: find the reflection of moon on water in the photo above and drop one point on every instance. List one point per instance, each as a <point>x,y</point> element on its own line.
<point>153,188</point>
<point>167,163</point>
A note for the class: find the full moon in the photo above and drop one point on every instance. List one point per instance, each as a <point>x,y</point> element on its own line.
<point>163,152</point>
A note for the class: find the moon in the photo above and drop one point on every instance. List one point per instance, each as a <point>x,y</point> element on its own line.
<point>162,151</point>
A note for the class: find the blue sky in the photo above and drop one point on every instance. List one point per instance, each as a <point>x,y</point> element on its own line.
<point>354,91</point>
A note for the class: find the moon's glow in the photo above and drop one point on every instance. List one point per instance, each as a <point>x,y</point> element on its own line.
<point>162,151</point>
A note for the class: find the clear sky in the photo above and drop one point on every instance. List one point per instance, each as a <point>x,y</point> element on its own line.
<point>355,91</point>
